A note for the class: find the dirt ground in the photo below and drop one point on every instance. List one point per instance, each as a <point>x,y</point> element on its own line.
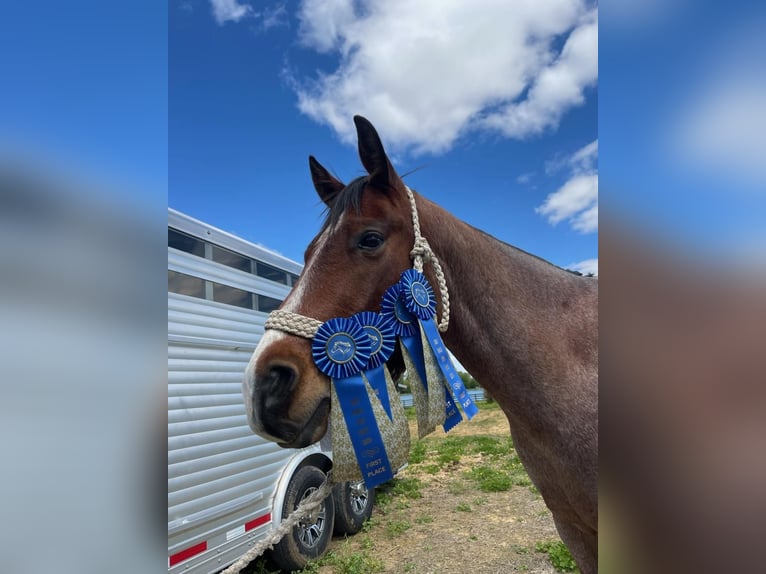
<point>454,527</point>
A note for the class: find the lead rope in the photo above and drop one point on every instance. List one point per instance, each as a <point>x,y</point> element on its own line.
<point>313,502</point>
<point>421,253</point>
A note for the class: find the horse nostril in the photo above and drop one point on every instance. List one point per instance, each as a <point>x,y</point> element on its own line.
<point>277,384</point>
<point>283,378</point>
<point>272,398</point>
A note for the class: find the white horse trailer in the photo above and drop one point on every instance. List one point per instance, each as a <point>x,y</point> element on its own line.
<point>228,488</point>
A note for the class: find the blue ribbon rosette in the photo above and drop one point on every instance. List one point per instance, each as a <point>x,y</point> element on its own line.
<point>381,331</point>
<point>405,326</point>
<point>418,298</point>
<point>428,394</point>
<point>342,349</point>
<point>429,409</point>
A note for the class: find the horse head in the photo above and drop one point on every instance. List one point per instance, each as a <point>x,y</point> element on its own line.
<point>361,250</point>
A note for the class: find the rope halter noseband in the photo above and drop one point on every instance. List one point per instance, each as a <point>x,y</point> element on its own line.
<point>421,253</point>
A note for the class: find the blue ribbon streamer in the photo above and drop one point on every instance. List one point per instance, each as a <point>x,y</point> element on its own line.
<point>394,304</point>
<point>363,430</point>
<point>457,389</point>
<point>377,379</point>
<point>381,331</point>
<point>405,327</point>
<point>419,299</point>
<point>341,348</point>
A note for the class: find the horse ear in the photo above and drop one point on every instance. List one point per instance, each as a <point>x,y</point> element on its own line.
<point>373,156</point>
<point>326,185</point>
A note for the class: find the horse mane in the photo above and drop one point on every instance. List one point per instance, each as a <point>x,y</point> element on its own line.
<point>350,197</point>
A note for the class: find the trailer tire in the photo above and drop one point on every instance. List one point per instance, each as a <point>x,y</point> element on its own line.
<point>353,506</point>
<point>310,538</point>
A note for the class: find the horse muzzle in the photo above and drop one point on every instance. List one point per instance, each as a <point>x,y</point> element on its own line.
<point>275,409</point>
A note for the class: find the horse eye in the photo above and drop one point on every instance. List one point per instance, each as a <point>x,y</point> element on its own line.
<point>370,241</point>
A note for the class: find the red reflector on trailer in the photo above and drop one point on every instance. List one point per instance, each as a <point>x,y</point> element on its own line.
<point>188,553</point>
<point>257,522</point>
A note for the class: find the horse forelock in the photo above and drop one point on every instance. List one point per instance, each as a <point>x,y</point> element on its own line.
<point>349,198</point>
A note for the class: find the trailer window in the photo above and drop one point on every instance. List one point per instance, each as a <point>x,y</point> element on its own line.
<point>232,296</point>
<point>232,259</point>
<point>268,304</point>
<point>186,284</point>
<point>270,273</point>
<point>183,242</point>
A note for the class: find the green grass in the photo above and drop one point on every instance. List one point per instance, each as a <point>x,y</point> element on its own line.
<point>435,454</point>
<point>559,555</point>
<point>450,449</point>
<point>407,487</point>
<point>425,519</point>
<point>367,543</point>
<point>397,527</point>
<point>473,468</point>
<point>370,523</point>
<point>490,479</point>
<point>346,562</point>
<point>516,471</point>
<point>398,489</point>
<point>258,566</point>
<point>418,452</point>
<point>490,445</point>
<point>457,487</point>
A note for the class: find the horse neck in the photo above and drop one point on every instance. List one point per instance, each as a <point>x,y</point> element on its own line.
<point>508,309</point>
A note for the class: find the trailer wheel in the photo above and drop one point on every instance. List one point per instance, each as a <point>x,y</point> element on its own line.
<point>353,505</point>
<point>310,537</point>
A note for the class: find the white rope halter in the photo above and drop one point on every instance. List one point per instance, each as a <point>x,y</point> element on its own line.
<point>421,252</point>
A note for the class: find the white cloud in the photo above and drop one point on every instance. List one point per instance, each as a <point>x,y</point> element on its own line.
<point>525,178</point>
<point>719,127</point>
<point>556,88</point>
<point>229,10</point>
<point>426,73</point>
<point>635,16</point>
<point>584,159</point>
<point>724,130</point>
<point>585,267</point>
<point>577,199</point>
<point>274,17</point>
<point>323,22</point>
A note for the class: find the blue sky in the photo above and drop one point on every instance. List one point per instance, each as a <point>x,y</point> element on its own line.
<point>495,109</point>
<point>219,115</point>
<point>682,124</point>
<point>84,92</point>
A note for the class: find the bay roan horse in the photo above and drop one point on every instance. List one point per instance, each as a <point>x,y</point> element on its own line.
<point>524,328</point>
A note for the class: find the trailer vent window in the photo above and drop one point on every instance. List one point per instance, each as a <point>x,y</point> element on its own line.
<point>187,243</point>
<point>270,273</point>
<point>186,284</point>
<point>232,296</point>
<point>232,259</point>
<point>268,304</point>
